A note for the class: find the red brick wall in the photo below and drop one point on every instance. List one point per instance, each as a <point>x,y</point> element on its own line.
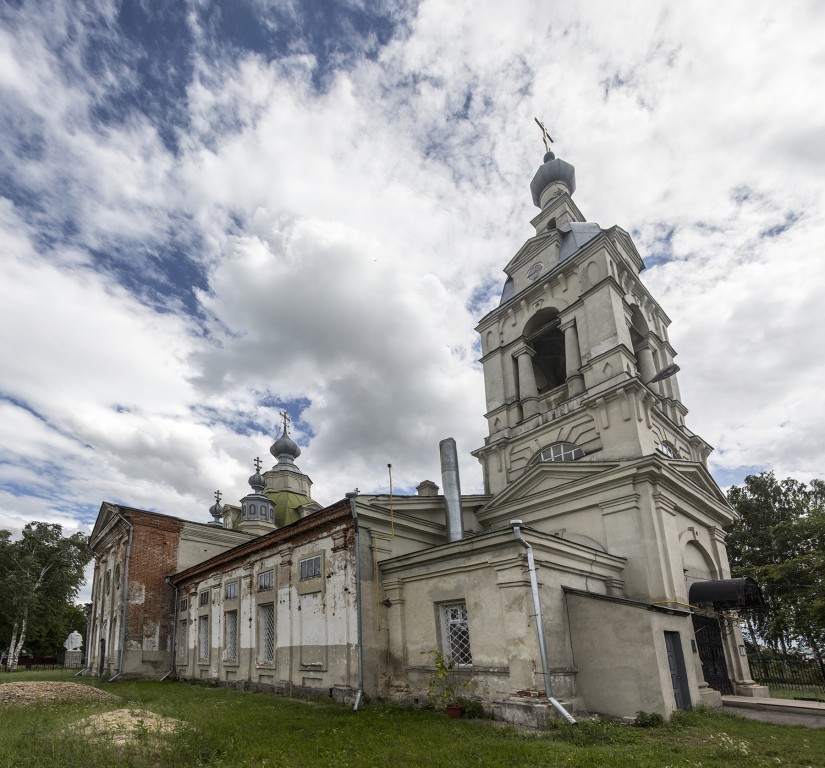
<point>154,556</point>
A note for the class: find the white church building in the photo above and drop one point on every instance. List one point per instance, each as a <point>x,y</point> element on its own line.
<point>589,472</point>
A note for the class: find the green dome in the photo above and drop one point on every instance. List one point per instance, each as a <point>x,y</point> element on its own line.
<point>286,506</point>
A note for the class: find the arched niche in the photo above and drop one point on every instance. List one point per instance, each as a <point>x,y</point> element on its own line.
<point>543,334</point>
<point>697,563</point>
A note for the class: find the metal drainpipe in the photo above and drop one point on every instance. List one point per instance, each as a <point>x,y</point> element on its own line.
<point>125,590</point>
<point>360,692</point>
<point>174,629</point>
<point>534,588</point>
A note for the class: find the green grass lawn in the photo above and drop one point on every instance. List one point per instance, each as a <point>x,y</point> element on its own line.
<point>228,728</point>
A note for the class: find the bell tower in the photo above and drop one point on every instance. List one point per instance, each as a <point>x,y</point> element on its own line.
<point>577,361</point>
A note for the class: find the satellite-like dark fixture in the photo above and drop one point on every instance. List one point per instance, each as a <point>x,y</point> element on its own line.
<point>665,373</point>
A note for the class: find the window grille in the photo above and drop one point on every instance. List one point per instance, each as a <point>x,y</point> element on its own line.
<point>266,580</point>
<point>231,636</point>
<point>184,604</point>
<point>311,568</point>
<point>266,632</point>
<point>203,638</point>
<point>456,633</point>
<point>203,599</point>
<point>231,590</point>
<point>181,641</point>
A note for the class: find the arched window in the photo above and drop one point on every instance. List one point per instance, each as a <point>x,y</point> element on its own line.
<point>558,452</point>
<point>667,448</point>
<point>543,334</point>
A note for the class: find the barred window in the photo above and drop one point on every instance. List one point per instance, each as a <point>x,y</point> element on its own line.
<point>203,638</point>
<point>455,632</point>
<point>311,568</point>
<point>266,632</point>
<point>231,590</point>
<point>181,641</point>
<point>230,636</point>
<point>184,604</point>
<point>203,599</point>
<point>266,580</point>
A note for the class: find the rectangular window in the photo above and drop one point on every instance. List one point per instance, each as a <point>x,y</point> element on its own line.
<point>266,580</point>
<point>266,633</point>
<point>311,568</point>
<point>184,604</point>
<point>230,636</point>
<point>203,599</point>
<point>203,638</point>
<point>231,590</point>
<point>455,632</point>
<point>180,643</point>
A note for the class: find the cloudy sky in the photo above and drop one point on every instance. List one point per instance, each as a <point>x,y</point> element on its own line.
<point>210,212</point>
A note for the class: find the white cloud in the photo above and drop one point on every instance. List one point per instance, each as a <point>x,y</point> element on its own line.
<point>344,233</point>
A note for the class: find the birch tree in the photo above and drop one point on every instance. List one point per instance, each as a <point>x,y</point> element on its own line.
<point>39,573</point>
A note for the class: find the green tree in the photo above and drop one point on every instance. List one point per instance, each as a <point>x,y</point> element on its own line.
<point>779,540</point>
<point>40,575</point>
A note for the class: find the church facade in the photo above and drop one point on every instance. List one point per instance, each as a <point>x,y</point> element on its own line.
<point>597,519</point>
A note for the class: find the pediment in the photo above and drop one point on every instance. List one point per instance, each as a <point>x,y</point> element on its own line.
<point>547,477</point>
<point>698,476</point>
<point>107,512</point>
<point>531,249</point>
<point>626,247</point>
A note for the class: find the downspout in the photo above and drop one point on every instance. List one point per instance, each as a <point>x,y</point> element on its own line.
<point>174,629</point>
<point>360,692</point>
<point>534,588</point>
<point>125,591</point>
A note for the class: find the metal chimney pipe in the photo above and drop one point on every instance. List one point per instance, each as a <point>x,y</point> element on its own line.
<point>452,489</point>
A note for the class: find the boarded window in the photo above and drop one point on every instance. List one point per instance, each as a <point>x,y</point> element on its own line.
<point>203,638</point>
<point>180,642</point>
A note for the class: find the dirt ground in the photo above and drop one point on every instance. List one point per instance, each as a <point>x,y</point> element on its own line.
<point>121,726</point>
<point>17,694</point>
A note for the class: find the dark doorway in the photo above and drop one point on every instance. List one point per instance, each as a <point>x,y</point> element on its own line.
<point>678,675</point>
<point>712,653</point>
<point>102,656</point>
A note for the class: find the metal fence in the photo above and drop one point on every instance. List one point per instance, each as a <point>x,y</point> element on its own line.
<point>58,661</point>
<point>805,676</point>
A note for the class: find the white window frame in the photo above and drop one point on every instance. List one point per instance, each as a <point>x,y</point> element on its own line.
<point>450,622</point>
<point>230,590</point>
<point>266,580</point>
<point>312,569</point>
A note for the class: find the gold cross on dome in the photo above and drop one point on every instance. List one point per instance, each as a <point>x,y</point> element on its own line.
<point>257,464</point>
<point>544,135</point>
<point>286,420</point>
